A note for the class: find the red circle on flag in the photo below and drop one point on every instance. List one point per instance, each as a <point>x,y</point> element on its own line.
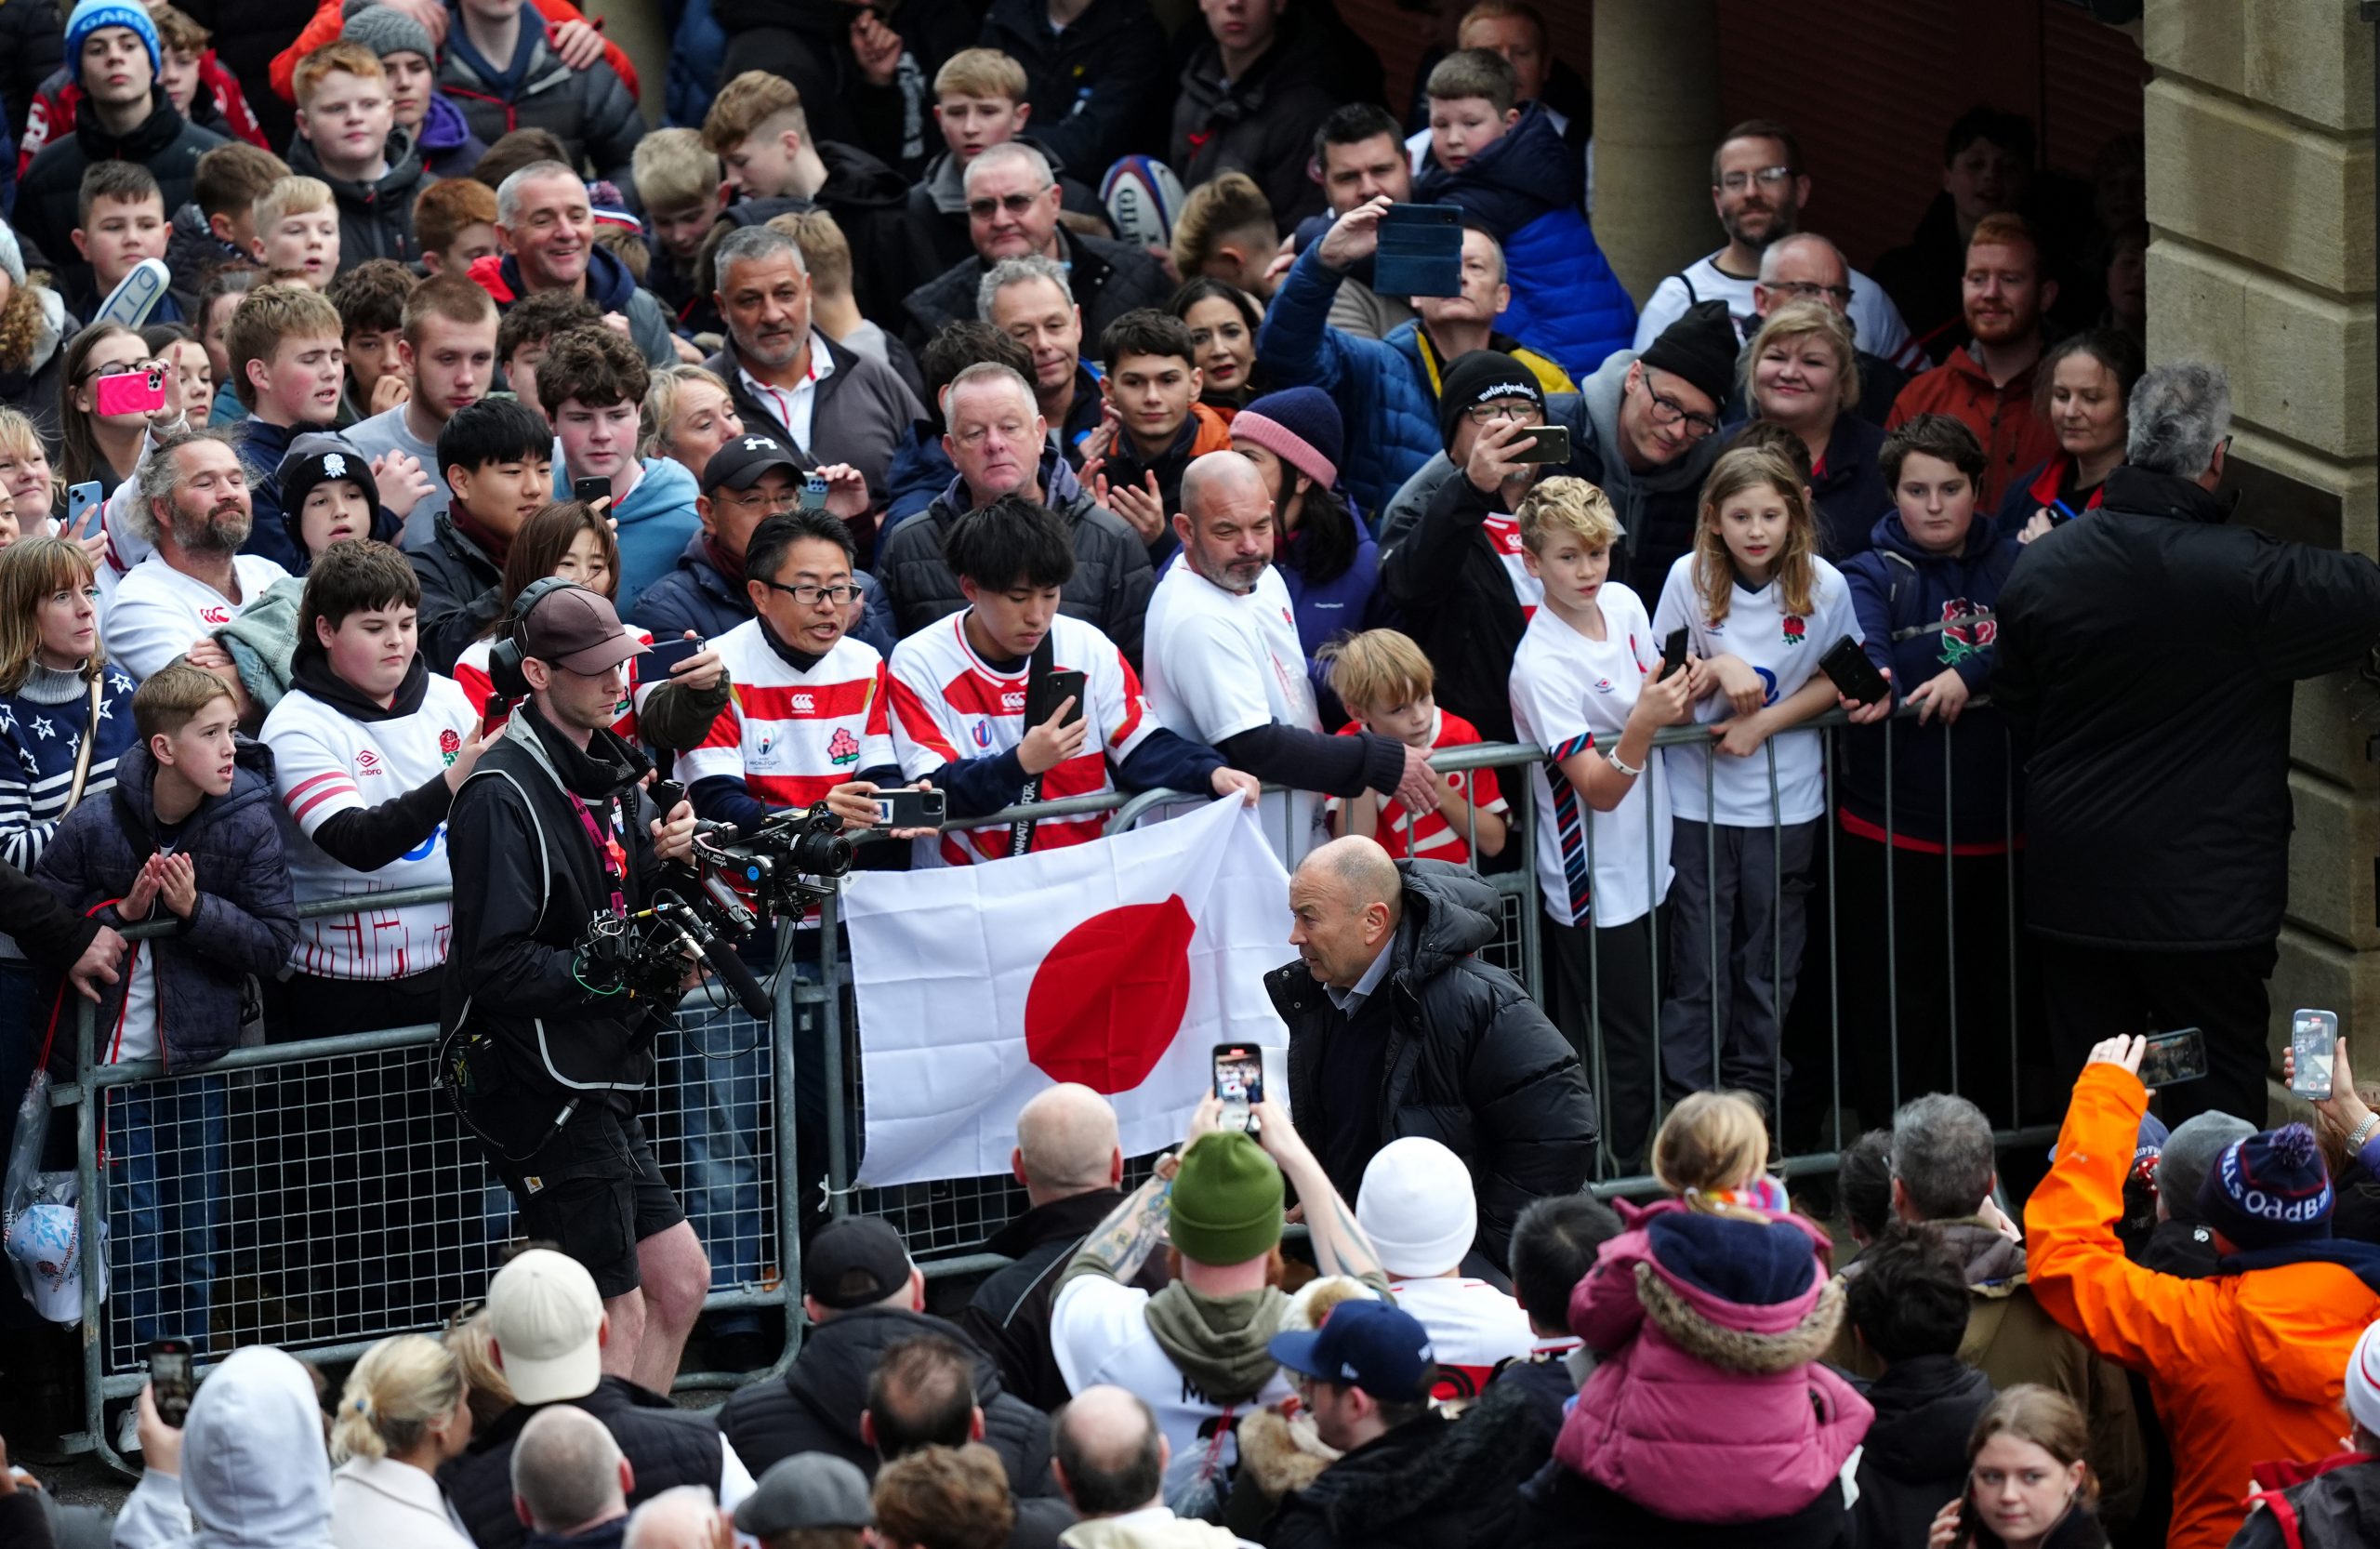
<point>1109,997</point>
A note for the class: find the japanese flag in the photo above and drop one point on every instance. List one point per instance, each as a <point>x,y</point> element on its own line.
<point>1118,963</point>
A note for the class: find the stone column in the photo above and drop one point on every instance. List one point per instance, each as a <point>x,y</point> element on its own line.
<point>1657,118</point>
<point>2259,129</point>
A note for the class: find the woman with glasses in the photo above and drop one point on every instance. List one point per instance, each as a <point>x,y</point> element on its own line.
<point>1801,373</point>
<point>102,448</point>
<point>569,539</point>
<point>2082,389</point>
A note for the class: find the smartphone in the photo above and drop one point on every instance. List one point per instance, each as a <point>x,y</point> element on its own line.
<point>130,393</point>
<point>665,795</point>
<point>2179,1055</point>
<point>590,490</point>
<point>655,666</point>
<point>1546,443</point>
<point>493,711</point>
<point>814,492</point>
<point>911,808</point>
<point>170,1380</point>
<point>1420,252</point>
<point>1047,693</point>
<point>81,501</point>
<point>1673,654</point>
<point>1853,674</point>
<point>1239,1082</point>
<point>2314,1038</point>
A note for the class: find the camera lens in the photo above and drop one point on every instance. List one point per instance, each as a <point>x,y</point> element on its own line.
<point>822,854</point>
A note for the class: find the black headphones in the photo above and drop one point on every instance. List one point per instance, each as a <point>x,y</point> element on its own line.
<point>504,658</point>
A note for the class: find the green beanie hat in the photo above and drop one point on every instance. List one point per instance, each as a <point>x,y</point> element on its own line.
<point>1225,1206</point>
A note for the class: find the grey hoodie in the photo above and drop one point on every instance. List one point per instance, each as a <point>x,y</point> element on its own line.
<point>255,1471</point>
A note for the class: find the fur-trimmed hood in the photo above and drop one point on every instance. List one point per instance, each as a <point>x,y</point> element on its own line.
<point>1744,1296</point>
<point>1433,1481</point>
<point>1753,1352</point>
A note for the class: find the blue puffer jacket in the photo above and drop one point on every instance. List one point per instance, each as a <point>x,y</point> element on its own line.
<point>244,923</point>
<point>1526,189</point>
<point>695,596</point>
<point>920,470</point>
<point>1382,393</point>
<point>1920,613</point>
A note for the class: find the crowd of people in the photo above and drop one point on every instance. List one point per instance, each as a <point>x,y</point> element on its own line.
<point>417,473</point>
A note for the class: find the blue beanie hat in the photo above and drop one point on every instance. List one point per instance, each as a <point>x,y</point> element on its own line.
<point>2268,1189</point>
<point>92,14</point>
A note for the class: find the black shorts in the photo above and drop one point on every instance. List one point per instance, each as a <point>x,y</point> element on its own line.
<point>595,1192</point>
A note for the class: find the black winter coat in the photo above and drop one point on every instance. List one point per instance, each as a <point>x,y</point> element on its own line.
<point>2153,651</point>
<point>1471,1062</point>
<point>1561,1510</point>
<point>1430,1483</point>
<point>2338,1510</point>
<point>1112,579</point>
<point>870,203</point>
<point>1916,1450</point>
<point>1457,600</point>
<point>375,219</point>
<point>48,199</point>
<point>33,44</point>
<point>1261,123</point>
<point>51,935</point>
<point>809,43</point>
<point>461,593</point>
<point>1099,88</point>
<point>666,1446</point>
<point>816,1405</point>
<point>1009,1317</point>
<point>1108,279</point>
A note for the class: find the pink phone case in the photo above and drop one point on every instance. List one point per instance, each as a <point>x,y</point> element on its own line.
<point>130,393</point>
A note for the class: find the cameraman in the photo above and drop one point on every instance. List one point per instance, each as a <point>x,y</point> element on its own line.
<point>553,829</point>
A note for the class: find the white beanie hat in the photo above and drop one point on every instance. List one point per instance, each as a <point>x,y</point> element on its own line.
<point>2364,1381</point>
<point>1417,1207</point>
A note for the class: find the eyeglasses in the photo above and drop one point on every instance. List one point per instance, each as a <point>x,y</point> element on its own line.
<point>745,499</point>
<point>1015,204</point>
<point>1810,290</point>
<point>1669,411</point>
<point>1766,176</point>
<point>1488,414</point>
<point>809,597</point>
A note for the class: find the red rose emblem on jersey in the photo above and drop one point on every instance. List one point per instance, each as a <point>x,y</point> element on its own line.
<point>450,745</point>
<point>1792,631</point>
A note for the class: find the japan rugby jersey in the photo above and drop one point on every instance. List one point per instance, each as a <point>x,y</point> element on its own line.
<point>949,703</point>
<point>326,762</point>
<point>792,736</point>
<point>1432,837</point>
<point>1505,536</point>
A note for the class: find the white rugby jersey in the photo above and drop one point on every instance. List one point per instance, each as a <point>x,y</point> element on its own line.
<point>792,736</point>
<point>326,762</point>
<point>950,704</point>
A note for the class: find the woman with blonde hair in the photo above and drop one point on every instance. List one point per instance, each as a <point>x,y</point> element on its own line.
<point>2028,1485</point>
<point>687,415</point>
<point>1801,373</point>
<point>25,474</point>
<point>406,1410</point>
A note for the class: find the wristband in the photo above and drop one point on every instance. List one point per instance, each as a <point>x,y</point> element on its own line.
<point>2363,1132</point>
<point>1612,758</point>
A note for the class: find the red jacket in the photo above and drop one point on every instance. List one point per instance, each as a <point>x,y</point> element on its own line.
<point>2014,437</point>
<point>330,20</point>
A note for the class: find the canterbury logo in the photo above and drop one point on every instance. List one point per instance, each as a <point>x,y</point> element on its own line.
<point>215,616</point>
<point>1013,700</point>
<point>1507,389</point>
<point>804,705</point>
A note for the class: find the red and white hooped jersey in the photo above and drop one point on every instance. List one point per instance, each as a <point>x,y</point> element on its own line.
<point>1504,535</point>
<point>789,735</point>
<point>949,703</point>
<point>1433,837</point>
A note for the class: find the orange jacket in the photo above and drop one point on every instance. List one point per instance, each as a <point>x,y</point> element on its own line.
<point>2014,437</point>
<point>330,19</point>
<point>2241,1368</point>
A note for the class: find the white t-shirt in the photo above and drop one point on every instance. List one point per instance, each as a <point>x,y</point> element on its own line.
<point>1099,1333</point>
<point>158,613</point>
<point>1876,323</point>
<point>949,703</point>
<point>1220,664</point>
<point>326,762</point>
<point>1573,695</point>
<point>1473,1328</point>
<point>1784,649</point>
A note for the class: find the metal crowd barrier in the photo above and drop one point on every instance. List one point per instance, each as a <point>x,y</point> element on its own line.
<point>321,1256</point>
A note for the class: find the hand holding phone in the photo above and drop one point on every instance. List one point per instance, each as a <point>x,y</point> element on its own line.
<point>2168,1059</point>
<point>1847,667</point>
<point>136,391</point>
<point>1542,443</point>
<point>2313,1043</point>
<point>590,490</point>
<point>1419,251</point>
<point>656,665</point>
<point>1673,654</point>
<point>171,1382</point>
<point>911,808</point>
<point>83,500</point>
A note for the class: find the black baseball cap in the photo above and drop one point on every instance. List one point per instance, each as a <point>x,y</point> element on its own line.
<point>740,461</point>
<point>854,1263</point>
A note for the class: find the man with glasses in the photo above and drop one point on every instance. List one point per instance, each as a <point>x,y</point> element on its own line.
<point>1758,187</point>
<point>792,382</point>
<point>1012,203</point>
<point>1806,267</point>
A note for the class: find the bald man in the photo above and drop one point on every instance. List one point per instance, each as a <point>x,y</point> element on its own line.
<point>1224,664</point>
<point>1109,1457</point>
<point>1384,962</point>
<point>686,1517</point>
<point>570,1484</point>
<point>1068,1158</point>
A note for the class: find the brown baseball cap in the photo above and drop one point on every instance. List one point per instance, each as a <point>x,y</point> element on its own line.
<point>578,631</point>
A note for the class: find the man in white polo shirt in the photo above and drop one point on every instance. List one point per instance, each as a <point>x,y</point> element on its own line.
<point>193,509</point>
<point>1225,667</point>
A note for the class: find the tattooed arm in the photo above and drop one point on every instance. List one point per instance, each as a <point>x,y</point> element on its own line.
<point>1339,1244</point>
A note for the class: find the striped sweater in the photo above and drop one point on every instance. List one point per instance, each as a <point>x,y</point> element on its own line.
<point>42,727</point>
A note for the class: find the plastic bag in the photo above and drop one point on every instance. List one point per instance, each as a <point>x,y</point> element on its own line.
<point>37,1208</point>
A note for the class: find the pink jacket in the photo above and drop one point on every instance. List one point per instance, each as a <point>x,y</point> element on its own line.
<point>1710,1404</point>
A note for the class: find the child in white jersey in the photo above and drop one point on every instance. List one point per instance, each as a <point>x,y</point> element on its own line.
<point>1760,608</point>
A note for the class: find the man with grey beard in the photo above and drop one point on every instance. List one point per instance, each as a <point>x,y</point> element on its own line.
<point>193,510</point>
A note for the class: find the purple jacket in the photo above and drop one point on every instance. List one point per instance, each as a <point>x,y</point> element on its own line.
<point>1710,1404</point>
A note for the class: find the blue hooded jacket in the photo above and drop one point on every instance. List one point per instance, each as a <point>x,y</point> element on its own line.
<point>1527,189</point>
<point>656,520</point>
<point>1923,612</point>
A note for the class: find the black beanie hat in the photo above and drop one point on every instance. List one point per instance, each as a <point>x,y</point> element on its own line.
<point>319,458</point>
<point>1701,346</point>
<point>1482,377</point>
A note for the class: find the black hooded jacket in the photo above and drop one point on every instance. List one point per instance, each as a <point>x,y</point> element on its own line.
<point>1916,1448</point>
<point>1470,1060</point>
<point>2339,1509</point>
<point>2153,653</point>
<point>816,1405</point>
<point>809,43</point>
<point>48,199</point>
<point>1429,1483</point>
<point>1261,123</point>
<point>375,219</point>
<point>1099,87</point>
<point>665,1445</point>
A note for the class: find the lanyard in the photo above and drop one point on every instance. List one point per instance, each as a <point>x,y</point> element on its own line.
<point>607,849</point>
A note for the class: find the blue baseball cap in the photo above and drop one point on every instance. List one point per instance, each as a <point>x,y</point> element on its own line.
<point>1373,1346</point>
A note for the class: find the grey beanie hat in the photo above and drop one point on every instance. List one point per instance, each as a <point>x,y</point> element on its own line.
<point>386,30</point>
<point>2189,1151</point>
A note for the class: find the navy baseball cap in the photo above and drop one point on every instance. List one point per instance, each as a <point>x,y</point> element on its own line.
<point>1373,1346</point>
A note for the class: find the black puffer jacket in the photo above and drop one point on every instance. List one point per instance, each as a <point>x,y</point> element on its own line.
<point>2336,1510</point>
<point>2124,641</point>
<point>1429,1483</point>
<point>816,1405</point>
<point>1470,1061</point>
<point>665,1445</point>
<point>1261,123</point>
<point>47,200</point>
<point>461,593</point>
<point>32,43</point>
<point>1099,87</point>
<point>1111,584</point>
<point>375,219</point>
<point>1916,1448</point>
<point>1108,279</point>
<point>809,43</point>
